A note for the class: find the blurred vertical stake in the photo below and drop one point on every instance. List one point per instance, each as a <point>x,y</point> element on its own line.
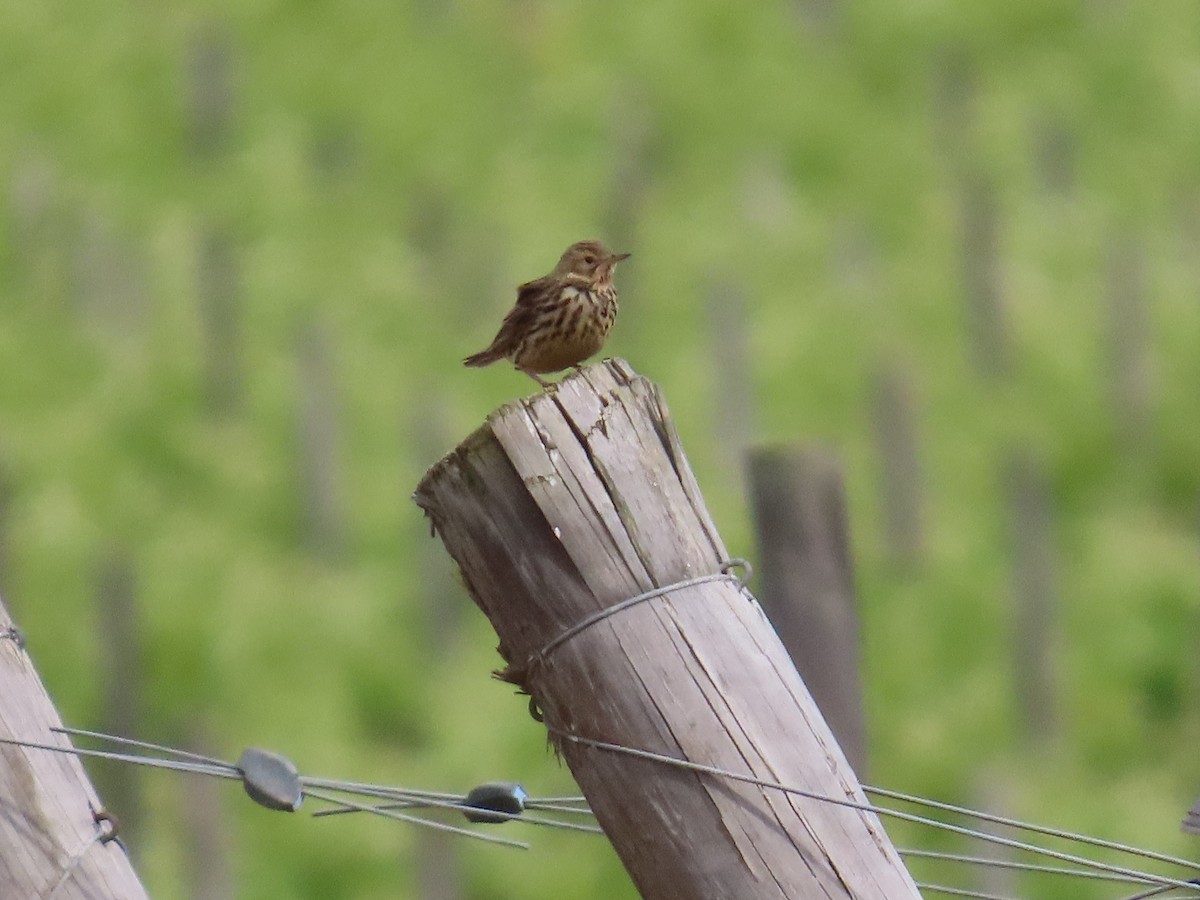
<point>632,145</point>
<point>731,369</point>
<point>1129,345</point>
<point>822,17</point>
<point>894,422</point>
<point>320,444</point>
<point>37,240</point>
<point>108,277</point>
<point>982,276</point>
<point>954,96</point>
<point>336,153</point>
<point>121,654</point>
<point>207,834</point>
<point>632,138</point>
<point>219,283</point>
<point>209,91</point>
<point>1055,156</point>
<point>994,794</point>
<point>1035,585</point>
<point>438,866</point>
<point>439,585</point>
<point>799,505</point>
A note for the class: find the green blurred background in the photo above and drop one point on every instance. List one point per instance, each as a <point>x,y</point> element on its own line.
<point>246,245</point>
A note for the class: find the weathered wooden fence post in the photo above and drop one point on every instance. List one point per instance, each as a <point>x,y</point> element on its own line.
<point>50,843</point>
<point>562,506</point>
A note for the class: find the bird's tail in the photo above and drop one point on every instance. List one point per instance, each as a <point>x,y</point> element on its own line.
<point>483,357</point>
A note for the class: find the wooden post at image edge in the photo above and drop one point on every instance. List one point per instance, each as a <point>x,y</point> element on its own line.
<point>48,836</point>
<point>578,498</point>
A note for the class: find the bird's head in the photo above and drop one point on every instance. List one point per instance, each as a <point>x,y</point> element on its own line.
<point>590,259</point>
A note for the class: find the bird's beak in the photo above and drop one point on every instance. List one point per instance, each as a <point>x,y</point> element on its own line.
<point>617,257</point>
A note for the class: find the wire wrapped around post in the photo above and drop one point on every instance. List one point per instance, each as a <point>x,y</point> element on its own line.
<point>577,500</point>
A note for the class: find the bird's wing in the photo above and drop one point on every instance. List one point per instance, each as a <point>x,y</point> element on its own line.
<point>530,297</point>
<point>531,294</point>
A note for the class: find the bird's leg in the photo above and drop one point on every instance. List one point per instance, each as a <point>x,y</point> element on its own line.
<point>534,375</point>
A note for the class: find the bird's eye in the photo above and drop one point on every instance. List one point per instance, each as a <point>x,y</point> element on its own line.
<point>589,259</point>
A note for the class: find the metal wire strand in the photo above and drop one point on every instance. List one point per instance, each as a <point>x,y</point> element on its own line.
<point>1027,826</point>
<point>404,800</point>
<point>417,820</point>
<point>130,742</point>
<point>559,808</point>
<point>871,808</point>
<point>1025,867</point>
<point>1159,891</point>
<point>222,771</point>
<point>457,806</point>
<point>960,892</point>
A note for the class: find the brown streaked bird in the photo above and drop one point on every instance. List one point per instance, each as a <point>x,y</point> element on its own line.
<point>560,319</point>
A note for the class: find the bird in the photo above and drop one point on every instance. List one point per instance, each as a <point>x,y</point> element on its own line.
<point>560,319</point>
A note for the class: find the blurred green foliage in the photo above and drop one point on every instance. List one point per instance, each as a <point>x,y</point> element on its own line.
<point>384,174</point>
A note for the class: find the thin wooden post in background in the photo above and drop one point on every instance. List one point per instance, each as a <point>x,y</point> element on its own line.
<point>209,90</point>
<point>799,506</point>
<point>894,422</point>
<point>632,140</point>
<point>208,833</point>
<point>567,503</point>
<point>1036,601</point>
<point>121,680</point>
<point>437,857</point>
<point>37,234</point>
<point>982,276</point>
<point>320,457</point>
<point>633,147</point>
<point>48,835</point>
<point>441,594</point>
<point>732,367</point>
<point>1132,377</point>
<point>108,278</point>
<point>824,18</point>
<point>1055,155</point>
<point>994,793</point>
<point>955,97</point>
<point>438,875</point>
<point>220,296</point>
